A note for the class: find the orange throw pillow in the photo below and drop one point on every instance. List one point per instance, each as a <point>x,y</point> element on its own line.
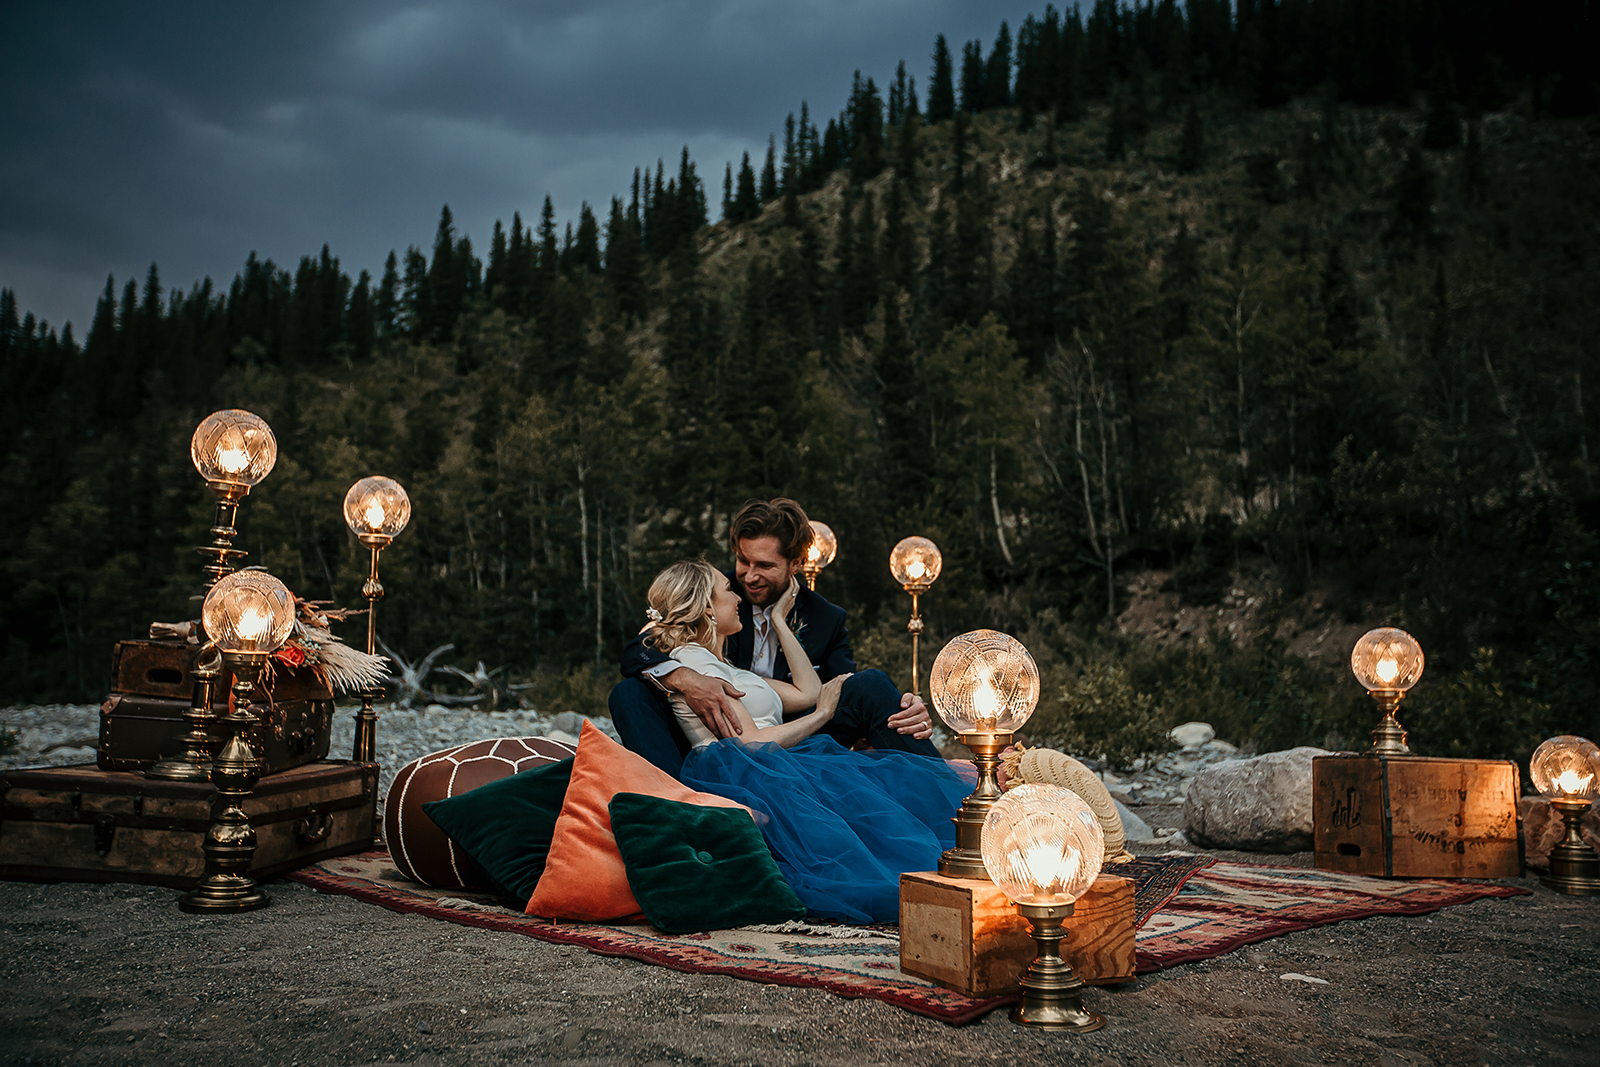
<point>584,878</point>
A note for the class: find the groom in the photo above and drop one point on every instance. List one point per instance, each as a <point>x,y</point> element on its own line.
<point>769,539</point>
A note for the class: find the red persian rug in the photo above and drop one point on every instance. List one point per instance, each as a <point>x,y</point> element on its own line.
<point>1232,904</point>
<point>1186,908</point>
<point>851,961</point>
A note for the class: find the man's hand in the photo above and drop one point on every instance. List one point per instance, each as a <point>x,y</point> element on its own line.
<point>912,718</point>
<point>708,698</point>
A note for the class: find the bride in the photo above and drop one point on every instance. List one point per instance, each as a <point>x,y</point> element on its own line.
<point>842,825</point>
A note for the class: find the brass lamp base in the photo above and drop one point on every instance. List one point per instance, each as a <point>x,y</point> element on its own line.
<point>1574,864</point>
<point>1389,737</point>
<point>231,842</point>
<point>195,763</point>
<point>1052,996</point>
<point>966,859</point>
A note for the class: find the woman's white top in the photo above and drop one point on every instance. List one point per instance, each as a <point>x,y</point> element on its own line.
<point>763,704</point>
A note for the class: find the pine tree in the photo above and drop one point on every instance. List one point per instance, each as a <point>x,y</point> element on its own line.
<point>727,194</point>
<point>1341,312</point>
<point>941,87</point>
<point>624,263</point>
<point>790,176</point>
<point>386,303</point>
<point>586,250</point>
<point>494,278</point>
<point>746,205</point>
<point>865,115</point>
<point>972,77</point>
<point>769,173</point>
<point>906,150</point>
<point>858,285</point>
<point>549,254</point>
<point>997,71</point>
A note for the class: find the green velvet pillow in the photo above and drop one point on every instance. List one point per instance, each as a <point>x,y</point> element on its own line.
<point>695,868</point>
<point>506,825</point>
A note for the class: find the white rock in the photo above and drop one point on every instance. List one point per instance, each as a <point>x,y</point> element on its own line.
<point>1220,748</point>
<point>1253,805</point>
<point>1293,977</point>
<point>562,735</point>
<point>1193,734</point>
<point>1133,827</point>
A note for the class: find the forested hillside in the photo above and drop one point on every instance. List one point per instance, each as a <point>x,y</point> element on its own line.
<point>1305,283</point>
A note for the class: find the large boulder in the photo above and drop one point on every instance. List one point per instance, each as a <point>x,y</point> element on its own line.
<point>1543,829</point>
<point>1253,805</point>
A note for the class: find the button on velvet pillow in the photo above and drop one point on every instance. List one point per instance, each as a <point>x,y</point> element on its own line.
<point>584,877</point>
<point>694,868</point>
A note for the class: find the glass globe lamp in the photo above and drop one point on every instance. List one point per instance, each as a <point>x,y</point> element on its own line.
<point>248,612</point>
<point>248,615</point>
<point>1566,770</point>
<point>1043,846</point>
<point>234,447</point>
<point>984,685</point>
<point>233,450</point>
<point>824,546</point>
<point>377,510</point>
<point>1387,662</point>
<point>915,563</point>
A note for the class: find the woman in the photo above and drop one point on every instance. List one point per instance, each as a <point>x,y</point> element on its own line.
<point>843,826</point>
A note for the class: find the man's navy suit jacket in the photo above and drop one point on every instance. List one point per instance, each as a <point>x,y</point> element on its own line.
<point>821,631</point>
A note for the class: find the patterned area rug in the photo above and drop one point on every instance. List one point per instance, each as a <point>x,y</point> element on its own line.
<point>1233,904</point>
<point>851,961</point>
<point>1186,908</point>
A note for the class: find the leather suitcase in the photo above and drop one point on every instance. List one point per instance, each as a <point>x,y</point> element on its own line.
<point>141,722</point>
<point>136,731</point>
<point>83,824</point>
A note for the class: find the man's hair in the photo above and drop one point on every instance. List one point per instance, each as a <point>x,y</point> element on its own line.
<point>782,518</point>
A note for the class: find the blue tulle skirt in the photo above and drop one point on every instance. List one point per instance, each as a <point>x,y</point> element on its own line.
<point>842,825</point>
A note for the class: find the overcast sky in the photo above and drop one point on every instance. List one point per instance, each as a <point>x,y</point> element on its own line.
<point>190,135</point>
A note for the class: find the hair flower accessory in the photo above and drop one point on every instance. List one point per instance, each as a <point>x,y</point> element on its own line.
<point>652,614</point>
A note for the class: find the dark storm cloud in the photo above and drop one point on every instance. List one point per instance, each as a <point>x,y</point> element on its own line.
<point>192,136</point>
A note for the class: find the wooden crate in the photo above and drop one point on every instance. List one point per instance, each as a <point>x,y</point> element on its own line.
<point>1416,817</point>
<point>964,934</point>
<point>82,824</point>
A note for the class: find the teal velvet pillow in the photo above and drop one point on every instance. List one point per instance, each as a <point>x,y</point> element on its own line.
<point>506,825</point>
<point>695,868</point>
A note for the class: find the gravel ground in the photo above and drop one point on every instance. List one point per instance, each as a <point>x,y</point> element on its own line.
<point>117,975</point>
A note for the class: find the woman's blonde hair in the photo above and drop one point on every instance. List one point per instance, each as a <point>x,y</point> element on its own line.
<point>680,606</point>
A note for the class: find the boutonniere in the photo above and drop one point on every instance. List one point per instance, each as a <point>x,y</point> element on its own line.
<point>797,625</point>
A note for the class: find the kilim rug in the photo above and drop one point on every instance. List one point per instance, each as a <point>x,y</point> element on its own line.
<point>1186,908</point>
<point>851,961</point>
<point>1232,904</point>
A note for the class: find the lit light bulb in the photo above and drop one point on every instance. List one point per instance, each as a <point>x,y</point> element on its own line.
<point>376,509</point>
<point>1569,781</point>
<point>1044,866</point>
<point>916,570</point>
<point>1387,671</point>
<point>254,623</point>
<point>232,457</point>
<point>374,513</point>
<point>814,553</point>
<point>986,703</point>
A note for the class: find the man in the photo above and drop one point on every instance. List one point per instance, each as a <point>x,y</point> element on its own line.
<point>769,539</point>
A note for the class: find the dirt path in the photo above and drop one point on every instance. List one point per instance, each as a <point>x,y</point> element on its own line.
<point>117,975</point>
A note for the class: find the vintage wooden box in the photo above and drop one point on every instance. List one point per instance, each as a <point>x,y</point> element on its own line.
<point>82,824</point>
<point>965,935</point>
<point>151,684</point>
<point>1416,816</point>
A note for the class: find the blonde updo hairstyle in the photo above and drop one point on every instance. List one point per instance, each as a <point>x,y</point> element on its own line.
<point>681,595</point>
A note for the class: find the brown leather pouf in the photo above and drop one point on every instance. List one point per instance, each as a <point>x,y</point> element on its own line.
<point>419,848</point>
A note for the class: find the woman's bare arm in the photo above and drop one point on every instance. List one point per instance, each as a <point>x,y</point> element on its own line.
<point>802,692</point>
<point>791,733</point>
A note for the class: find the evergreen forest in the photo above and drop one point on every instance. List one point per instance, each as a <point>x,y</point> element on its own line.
<point>1306,287</point>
